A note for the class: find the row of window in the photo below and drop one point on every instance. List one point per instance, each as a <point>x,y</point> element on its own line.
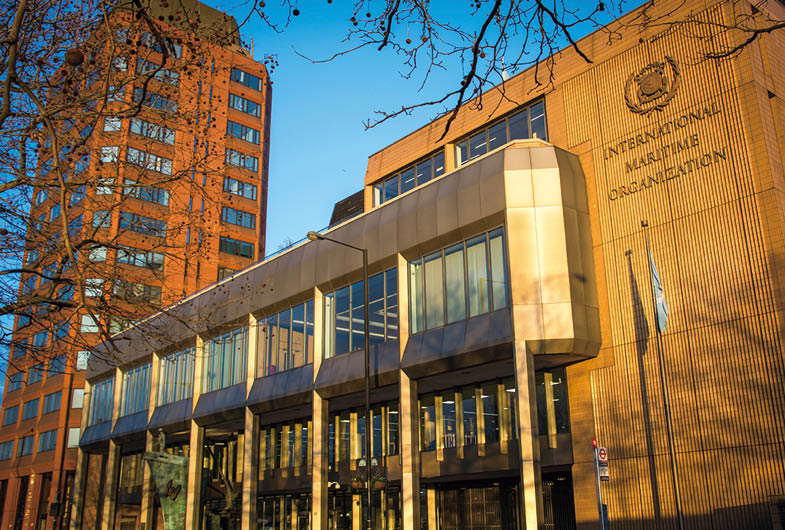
<point>245,105</point>
<point>347,430</point>
<point>159,133</point>
<point>344,314</point>
<point>164,75</point>
<point>238,217</point>
<point>101,402</point>
<point>527,123</point>
<point>408,179</point>
<point>239,188</point>
<point>36,372</point>
<point>243,132</point>
<point>460,281</point>
<point>285,445</point>
<point>242,160</point>
<point>149,161</point>
<point>154,101</point>
<point>236,247</point>
<point>142,224</point>
<point>244,78</point>
<point>47,441</point>
<point>286,339</point>
<point>147,259</point>
<point>136,390</point>
<point>176,376</point>
<point>225,359</point>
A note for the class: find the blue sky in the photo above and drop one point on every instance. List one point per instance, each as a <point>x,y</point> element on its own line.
<point>319,147</point>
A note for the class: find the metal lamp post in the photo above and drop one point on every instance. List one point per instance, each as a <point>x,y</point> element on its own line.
<point>314,236</point>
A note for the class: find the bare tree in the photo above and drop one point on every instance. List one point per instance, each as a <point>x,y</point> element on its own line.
<point>87,220</point>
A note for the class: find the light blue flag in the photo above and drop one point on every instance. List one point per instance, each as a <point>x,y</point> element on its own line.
<point>660,304</point>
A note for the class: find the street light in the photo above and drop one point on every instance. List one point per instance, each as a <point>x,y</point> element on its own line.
<point>314,236</point>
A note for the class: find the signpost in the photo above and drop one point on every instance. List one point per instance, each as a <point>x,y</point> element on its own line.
<point>601,474</point>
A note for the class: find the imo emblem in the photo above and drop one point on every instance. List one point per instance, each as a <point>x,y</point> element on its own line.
<point>657,84</point>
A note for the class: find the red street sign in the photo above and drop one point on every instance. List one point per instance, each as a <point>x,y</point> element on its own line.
<point>594,442</point>
<point>602,455</point>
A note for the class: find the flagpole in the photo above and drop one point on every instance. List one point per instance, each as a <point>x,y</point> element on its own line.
<point>665,401</point>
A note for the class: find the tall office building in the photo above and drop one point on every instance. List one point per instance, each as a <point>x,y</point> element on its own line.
<point>174,186</point>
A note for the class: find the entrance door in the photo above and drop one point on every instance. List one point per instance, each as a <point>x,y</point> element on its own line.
<point>478,506</point>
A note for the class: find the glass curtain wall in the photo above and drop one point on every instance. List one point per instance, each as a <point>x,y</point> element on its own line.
<point>344,314</point>
<point>225,359</point>
<point>458,282</point>
<point>285,446</point>
<point>176,376</point>
<point>284,512</point>
<point>286,340</point>
<point>346,434</point>
<point>101,402</point>
<point>136,390</point>
<point>468,416</point>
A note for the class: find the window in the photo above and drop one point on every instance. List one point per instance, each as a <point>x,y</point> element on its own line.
<point>6,450</point>
<point>109,154</point>
<point>77,194</point>
<point>11,415</point>
<point>164,75</point>
<point>411,177</point>
<point>94,287</point>
<point>54,213</point>
<point>142,224</point>
<point>244,78</point>
<point>146,193</point>
<point>159,133</point>
<point>41,196</point>
<point>97,254</point>
<point>238,217</point>
<point>528,123</point>
<point>149,161</point>
<point>35,374</point>
<point>553,409</point>
<point>344,314</point>
<point>112,124</point>
<point>47,441</point>
<point>155,42</point>
<point>82,357</point>
<point>52,402</point>
<point>25,446</point>
<point>132,291</point>
<point>176,379</point>
<point>61,330</point>
<point>286,340</point>
<point>73,437</point>
<point>155,101</point>
<point>224,272</point>
<point>242,189</point>
<point>225,360</point>
<point>245,105</point>
<point>89,324</point>
<point>30,409</point>
<point>286,445</point>
<point>57,364</point>
<point>236,247</point>
<point>104,186</point>
<point>484,412</point>
<point>102,218</point>
<point>464,280</point>
<point>242,160</point>
<point>120,64</point>
<point>101,401</point>
<point>16,381</point>
<point>347,430</point>
<point>29,284</point>
<point>77,400</point>
<point>136,390</point>
<point>22,321</point>
<point>140,258</point>
<point>249,134</point>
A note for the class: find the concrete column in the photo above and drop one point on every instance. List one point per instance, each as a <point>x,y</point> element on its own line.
<point>408,416</point>
<point>531,478</point>
<point>113,460</point>
<point>193,502</point>
<point>77,506</point>
<point>146,521</point>
<point>320,422</point>
<point>251,435</point>
<point>110,486</point>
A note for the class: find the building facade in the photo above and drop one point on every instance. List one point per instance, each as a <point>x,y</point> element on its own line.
<point>511,319</point>
<point>170,224</point>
